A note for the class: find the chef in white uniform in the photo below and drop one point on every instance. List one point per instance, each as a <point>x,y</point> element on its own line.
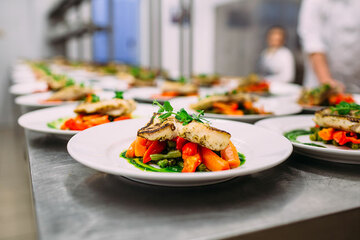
<point>330,35</point>
<point>276,61</point>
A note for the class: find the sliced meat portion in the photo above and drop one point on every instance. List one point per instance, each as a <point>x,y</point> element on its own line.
<point>158,129</point>
<point>196,132</point>
<point>327,118</point>
<point>181,88</point>
<point>204,135</point>
<point>112,107</point>
<point>71,93</point>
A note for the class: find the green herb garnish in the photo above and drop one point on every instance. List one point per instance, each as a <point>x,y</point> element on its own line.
<point>182,115</point>
<point>119,94</point>
<point>182,79</point>
<point>95,98</point>
<point>344,108</point>
<point>69,82</point>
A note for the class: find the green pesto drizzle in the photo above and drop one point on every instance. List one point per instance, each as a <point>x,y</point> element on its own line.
<point>294,134</point>
<point>137,162</point>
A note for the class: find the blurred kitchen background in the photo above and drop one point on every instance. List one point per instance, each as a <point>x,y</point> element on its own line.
<point>180,36</point>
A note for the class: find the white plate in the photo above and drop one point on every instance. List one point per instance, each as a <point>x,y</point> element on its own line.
<point>38,120</point>
<point>100,147</point>
<point>35,100</point>
<point>317,108</point>
<point>28,88</point>
<point>330,153</point>
<point>279,106</point>
<point>145,94</point>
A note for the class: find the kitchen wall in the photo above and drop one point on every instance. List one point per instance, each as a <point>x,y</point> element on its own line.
<point>22,35</point>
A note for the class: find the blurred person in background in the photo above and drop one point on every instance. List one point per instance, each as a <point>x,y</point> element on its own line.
<point>330,35</point>
<point>276,61</point>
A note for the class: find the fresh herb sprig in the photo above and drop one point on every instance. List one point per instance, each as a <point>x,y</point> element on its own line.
<point>95,98</point>
<point>119,94</point>
<point>344,108</point>
<point>182,115</point>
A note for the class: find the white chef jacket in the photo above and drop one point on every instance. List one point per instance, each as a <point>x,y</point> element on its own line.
<point>332,27</point>
<point>278,65</point>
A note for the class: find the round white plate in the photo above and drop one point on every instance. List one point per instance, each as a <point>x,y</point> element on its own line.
<point>36,100</point>
<point>28,88</point>
<point>330,153</point>
<point>313,109</point>
<point>100,148</point>
<point>37,120</point>
<point>145,94</point>
<point>279,106</point>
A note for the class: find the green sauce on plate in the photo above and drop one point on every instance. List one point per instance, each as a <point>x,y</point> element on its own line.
<point>294,134</point>
<point>137,162</point>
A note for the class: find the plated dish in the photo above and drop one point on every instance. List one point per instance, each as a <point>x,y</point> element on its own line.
<point>206,80</point>
<point>254,84</point>
<point>254,109</point>
<point>327,136</point>
<point>180,142</point>
<point>323,96</point>
<point>230,103</point>
<point>113,139</point>
<point>51,119</point>
<point>172,89</point>
<point>149,94</point>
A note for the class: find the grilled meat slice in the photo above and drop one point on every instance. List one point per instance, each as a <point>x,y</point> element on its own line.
<point>158,129</point>
<point>112,107</point>
<point>196,132</point>
<point>204,135</point>
<point>327,118</point>
<point>181,88</point>
<point>207,102</point>
<point>71,93</point>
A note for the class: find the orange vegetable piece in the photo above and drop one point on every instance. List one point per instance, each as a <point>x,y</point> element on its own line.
<point>191,162</point>
<point>212,161</point>
<point>326,134</point>
<point>231,155</point>
<point>130,153</point>
<point>140,146</point>
<point>122,118</point>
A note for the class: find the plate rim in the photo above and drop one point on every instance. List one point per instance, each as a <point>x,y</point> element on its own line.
<point>307,147</point>
<point>286,146</point>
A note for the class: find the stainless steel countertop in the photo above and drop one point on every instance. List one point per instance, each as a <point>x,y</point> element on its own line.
<point>76,202</point>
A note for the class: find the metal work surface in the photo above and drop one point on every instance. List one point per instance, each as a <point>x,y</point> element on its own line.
<point>75,202</point>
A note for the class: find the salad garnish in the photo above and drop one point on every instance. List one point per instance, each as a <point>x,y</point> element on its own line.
<point>119,94</point>
<point>344,108</point>
<point>182,115</point>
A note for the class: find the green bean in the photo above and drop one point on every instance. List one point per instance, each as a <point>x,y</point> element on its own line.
<point>314,129</point>
<point>355,146</point>
<point>171,154</point>
<point>313,137</point>
<point>201,167</point>
<point>163,163</point>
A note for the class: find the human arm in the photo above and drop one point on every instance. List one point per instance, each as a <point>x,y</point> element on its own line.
<point>310,30</point>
